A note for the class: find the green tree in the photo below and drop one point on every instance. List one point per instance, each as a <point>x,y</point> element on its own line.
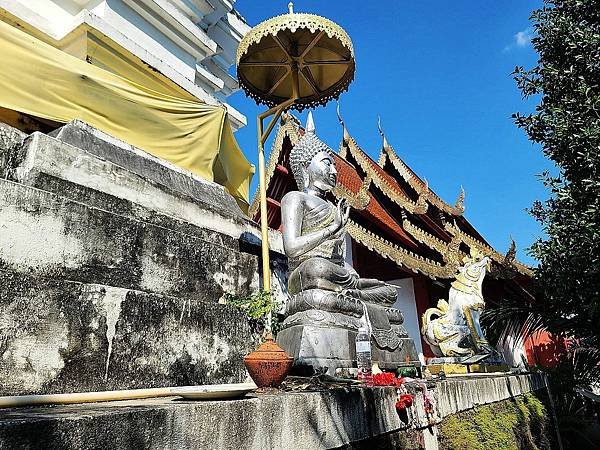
<point>566,124</point>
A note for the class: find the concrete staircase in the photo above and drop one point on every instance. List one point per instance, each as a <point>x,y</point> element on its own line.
<point>113,268</point>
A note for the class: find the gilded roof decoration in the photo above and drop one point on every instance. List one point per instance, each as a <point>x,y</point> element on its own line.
<point>486,249</point>
<point>399,255</point>
<point>507,269</point>
<point>448,250</point>
<point>357,200</point>
<point>421,186</point>
<point>287,128</point>
<point>394,193</point>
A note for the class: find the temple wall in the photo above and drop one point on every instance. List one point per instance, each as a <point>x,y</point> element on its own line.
<point>412,319</point>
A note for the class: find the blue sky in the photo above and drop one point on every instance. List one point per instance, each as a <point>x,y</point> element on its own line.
<point>438,73</point>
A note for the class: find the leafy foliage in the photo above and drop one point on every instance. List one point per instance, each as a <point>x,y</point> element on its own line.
<point>566,124</point>
<point>258,307</point>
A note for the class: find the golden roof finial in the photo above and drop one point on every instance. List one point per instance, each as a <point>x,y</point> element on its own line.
<point>341,120</point>
<point>459,206</point>
<point>511,254</point>
<point>385,142</point>
<point>291,7</point>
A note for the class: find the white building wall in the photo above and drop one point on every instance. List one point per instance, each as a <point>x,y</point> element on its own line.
<point>406,303</point>
<point>192,42</point>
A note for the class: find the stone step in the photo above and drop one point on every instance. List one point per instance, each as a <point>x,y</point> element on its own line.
<point>49,164</point>
<point>48,235</point>
<point>304,420</point>
<point>164,174</point>
<point>127,181</point>
<point>349,418</point>
<point>59,336</point>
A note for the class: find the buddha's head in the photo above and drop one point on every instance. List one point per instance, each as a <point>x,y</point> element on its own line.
<point>321,172</point>
<point>312,162</point>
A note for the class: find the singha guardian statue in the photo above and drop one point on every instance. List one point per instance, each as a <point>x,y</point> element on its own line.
<point>452,329</point>
<point>328,300</point>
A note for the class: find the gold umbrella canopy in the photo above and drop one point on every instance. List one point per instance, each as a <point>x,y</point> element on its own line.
<point>295,56</point>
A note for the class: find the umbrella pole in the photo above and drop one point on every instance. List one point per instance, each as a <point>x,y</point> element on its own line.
<point>264,226</point>
<point>263,135</point>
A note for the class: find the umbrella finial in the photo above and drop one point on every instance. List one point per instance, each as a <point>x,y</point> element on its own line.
<point>310,123</point>
<point>291,7</point>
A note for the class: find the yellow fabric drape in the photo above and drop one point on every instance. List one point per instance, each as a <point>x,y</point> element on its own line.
<point>43,81</point>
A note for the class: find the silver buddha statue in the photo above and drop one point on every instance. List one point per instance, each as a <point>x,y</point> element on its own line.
<point>328,300</point>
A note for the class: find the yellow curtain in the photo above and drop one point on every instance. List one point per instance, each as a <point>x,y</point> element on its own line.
<point>43,81</point>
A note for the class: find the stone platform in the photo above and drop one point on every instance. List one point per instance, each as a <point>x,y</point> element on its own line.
<point>338,418</point>
<point>113,268</point>
<point>453,368</point>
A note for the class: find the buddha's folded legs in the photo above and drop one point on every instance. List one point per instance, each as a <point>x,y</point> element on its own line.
<point>381,295</point>
<point>320,273</point>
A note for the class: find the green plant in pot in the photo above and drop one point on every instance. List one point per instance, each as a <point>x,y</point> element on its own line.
<point>268,365</point>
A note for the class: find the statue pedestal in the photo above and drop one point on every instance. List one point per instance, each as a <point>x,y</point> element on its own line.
<point>467,364</point>
<point>464,369</point>
<point>314,347</point>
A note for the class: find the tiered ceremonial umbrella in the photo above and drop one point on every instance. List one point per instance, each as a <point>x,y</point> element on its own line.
<point>292,61</point>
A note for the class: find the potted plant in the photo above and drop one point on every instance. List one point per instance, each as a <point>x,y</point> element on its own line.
<point>268,365</point>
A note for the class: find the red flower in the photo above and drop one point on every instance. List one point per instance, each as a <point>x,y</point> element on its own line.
<point>404,401</point>
<point>384,379</point>
<point>399,381</point>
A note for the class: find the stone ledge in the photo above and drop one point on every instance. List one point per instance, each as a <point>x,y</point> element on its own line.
<point>483,389</point>
<point>82,162</point>
<point>162,173</point>
<point>48,235</point>
<point>307,420</point>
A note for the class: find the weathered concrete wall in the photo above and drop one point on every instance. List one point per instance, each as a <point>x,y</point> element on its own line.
<point>302,420</point>
<point>113,268</point>
<point>63,336</point>
<point>10,142</point>
<point>51,236</point>
<point>128,176</point>
<point>149,168</point>
<point>50,245</point>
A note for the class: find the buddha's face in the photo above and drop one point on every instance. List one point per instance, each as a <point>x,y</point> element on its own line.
<point>322,173</point>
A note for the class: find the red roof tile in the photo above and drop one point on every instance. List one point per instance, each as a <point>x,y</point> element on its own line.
<point>349,178</point>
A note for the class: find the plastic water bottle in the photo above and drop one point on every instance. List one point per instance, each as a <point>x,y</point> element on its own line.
<point>363,355</point>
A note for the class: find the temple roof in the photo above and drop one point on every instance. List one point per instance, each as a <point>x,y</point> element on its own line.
<point>406,173</point>
<point>417,230</point>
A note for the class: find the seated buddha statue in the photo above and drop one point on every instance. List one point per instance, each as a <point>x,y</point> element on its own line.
<point>328,299</point>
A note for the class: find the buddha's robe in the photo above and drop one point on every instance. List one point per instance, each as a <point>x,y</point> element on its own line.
<point>324,266</point>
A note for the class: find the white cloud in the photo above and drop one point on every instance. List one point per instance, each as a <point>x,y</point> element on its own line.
<point>520,40</point>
